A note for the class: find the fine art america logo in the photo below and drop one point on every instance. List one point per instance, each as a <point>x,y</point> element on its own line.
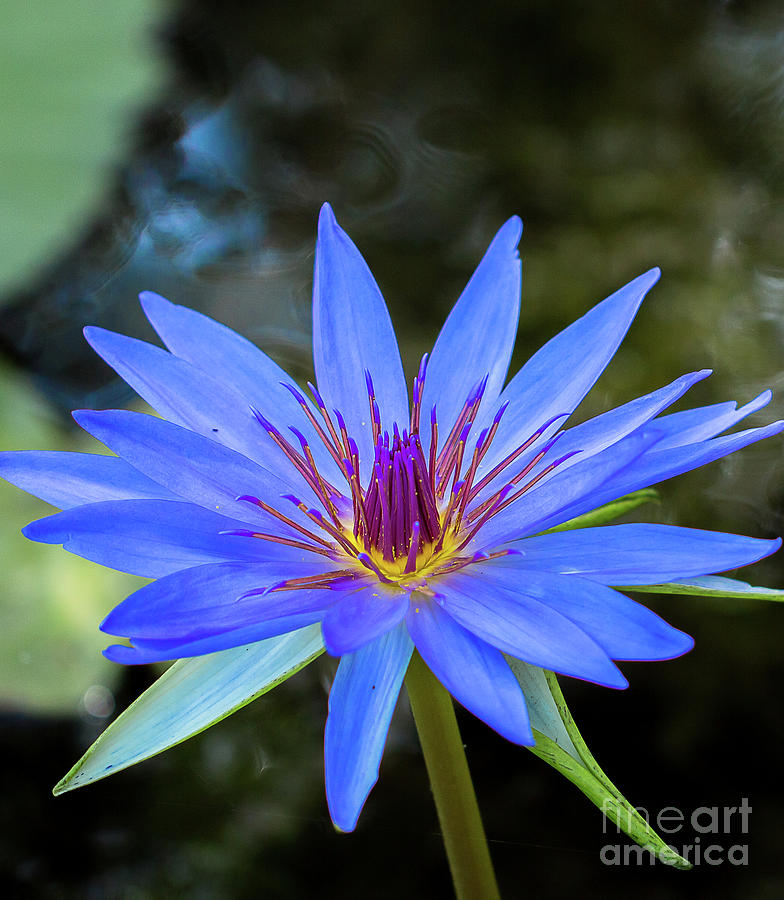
<point>710,835</point>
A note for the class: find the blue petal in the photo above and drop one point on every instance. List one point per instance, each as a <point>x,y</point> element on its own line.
<point>71,479</point>
<point>654,466</point>
<point>692,425</point>
<point>520,624</point>
<point>191,466</point>
<point>361,616</point>
<point>231,359</point>
<point>622,628</point>
<point>478,336</point>
<point>205,600</point>
<point>191,697</point>
<point>604,430</point>
<point>474,673</point>
<point>151,651</point>
<point>185,395</point>
<point>564,489</point>
<point>561,373</point>
<point>361,704</point>
<point>595,435</point>
<point>153,538</point>
<point>352,332</point>
<point>638,553</point>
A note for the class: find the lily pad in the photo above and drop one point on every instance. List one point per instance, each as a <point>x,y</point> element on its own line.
<point>74,75</point>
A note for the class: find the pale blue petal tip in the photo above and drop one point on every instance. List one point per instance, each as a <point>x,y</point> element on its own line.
<point>651,276</point>
<point>512,230</point>
<point>327,218</point>
<point>83,417</point>
<point>151,299</point>
<point>619,684</point>
<point>94,334</point>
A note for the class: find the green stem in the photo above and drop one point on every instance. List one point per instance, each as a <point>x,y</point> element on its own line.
<point>450,781</point>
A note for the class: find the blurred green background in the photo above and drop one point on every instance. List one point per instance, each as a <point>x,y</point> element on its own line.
<point>185,147</point>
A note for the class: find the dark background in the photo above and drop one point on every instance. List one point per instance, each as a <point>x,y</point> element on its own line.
<point>625,136</point>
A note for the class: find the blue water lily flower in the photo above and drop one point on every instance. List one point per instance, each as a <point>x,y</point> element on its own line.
<point>395,525</point>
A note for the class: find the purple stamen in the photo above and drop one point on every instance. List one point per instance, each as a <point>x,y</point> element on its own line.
<point>264,422</point>
<point>354,451</point>
<point>299,436</point>
<point>423,367</point>
<point>498,416</point>
<point>285,519</point>
<point>507,461</point>
<point>276,539</point>
<point>317,397</point>
<point>413,550</point>
<point>368,563</point>
<point>300,398</point>
<point>411,504</point>
<point>256,592</point>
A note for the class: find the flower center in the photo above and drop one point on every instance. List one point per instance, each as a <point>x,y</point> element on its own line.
<point>419,510</point>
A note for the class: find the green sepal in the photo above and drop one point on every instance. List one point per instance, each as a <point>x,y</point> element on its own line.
<point>189,697</point>
<point>562,746</point>
<point>609,511</point>
<point>710,586</point>
<point>543,711</point>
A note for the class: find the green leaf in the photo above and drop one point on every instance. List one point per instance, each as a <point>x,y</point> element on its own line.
<point>710,586</point>
<point>559,743</point>
<point>191,696</point>
<point>609,511</point>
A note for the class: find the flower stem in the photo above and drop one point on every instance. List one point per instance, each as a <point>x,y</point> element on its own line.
<point>450,781</point>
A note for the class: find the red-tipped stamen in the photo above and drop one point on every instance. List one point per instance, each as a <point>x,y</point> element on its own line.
<point>299,461</point>
<point>517,478</point>
<point>279,515</point>
<point>431,467</point>
<point>320,405</point>
<point>334,451</point>
<point>343,432</point>
<point>325,491</point>
<point>277,539</point>
<point>479,451</point>
<point>466,416</point>
<point>485,518</point>
<point>369,564</point>
<point>413,549</point>
<point>507,461</point>
<point>535,480</point>
<point>453,501</point>
<point>310,581</point>
<point>418,391</point>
